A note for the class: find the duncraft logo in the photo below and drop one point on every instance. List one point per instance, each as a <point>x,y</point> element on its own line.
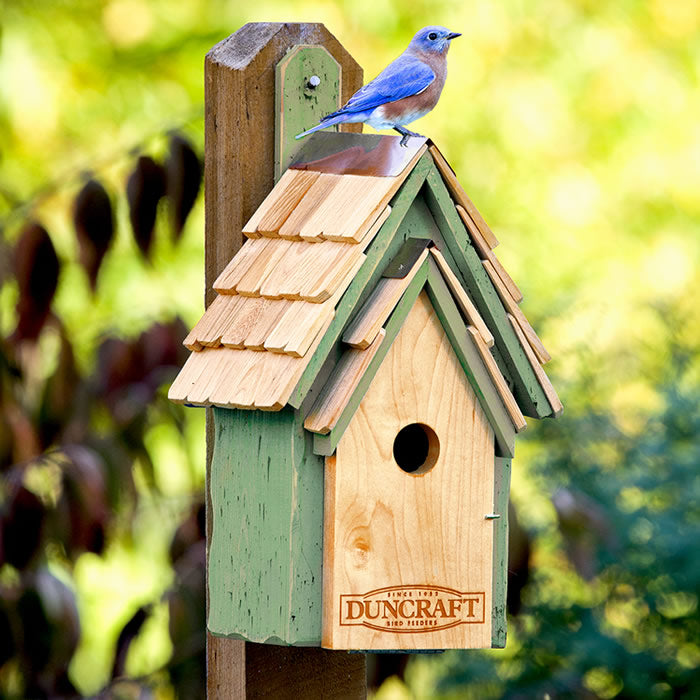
<point>412,608</point>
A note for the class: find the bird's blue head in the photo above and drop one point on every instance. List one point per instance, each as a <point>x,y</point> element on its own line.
<point>433,40</point>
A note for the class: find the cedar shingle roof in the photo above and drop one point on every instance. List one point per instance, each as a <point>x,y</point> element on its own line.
<point>306,243</point>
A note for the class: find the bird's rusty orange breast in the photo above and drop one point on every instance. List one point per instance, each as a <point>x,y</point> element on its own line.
<point>423,102</point>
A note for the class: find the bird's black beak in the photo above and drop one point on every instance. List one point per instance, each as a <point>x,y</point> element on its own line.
<point>453,35</point>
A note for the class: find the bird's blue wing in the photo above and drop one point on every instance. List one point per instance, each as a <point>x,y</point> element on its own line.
<point>405,76</point>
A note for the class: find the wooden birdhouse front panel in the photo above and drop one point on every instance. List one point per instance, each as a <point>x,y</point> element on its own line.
<point>407,550</point>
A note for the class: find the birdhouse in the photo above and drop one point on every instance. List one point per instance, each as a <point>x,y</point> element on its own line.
<point>369,367</point>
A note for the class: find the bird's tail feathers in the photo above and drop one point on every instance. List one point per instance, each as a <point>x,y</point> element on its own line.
<point>330,120</point>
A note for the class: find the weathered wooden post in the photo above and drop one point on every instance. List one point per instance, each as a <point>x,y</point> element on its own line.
<point>240,146</point>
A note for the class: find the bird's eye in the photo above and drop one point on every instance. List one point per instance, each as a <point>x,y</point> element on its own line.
<point>432,36</point>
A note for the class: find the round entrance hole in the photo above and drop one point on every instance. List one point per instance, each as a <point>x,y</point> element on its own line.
<point>416,448</point>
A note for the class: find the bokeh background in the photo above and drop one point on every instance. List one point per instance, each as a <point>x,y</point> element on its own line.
<point>574,126</point>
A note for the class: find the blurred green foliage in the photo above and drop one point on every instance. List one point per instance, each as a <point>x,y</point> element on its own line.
<point>611,609</point>
<point>573,125</point>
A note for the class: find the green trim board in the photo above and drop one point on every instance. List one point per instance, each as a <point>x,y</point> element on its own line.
<point>384,247</point>
<point>526,388</point>
<point>326,444</point>
<point>430,277</point>
<point>469,358</point>
<point>441,245</point>
<point>299,103</point>
<point>265,557</point>
<point>502,469</point>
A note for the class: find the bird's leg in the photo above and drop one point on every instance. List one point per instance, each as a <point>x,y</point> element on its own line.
<point>406,134</point>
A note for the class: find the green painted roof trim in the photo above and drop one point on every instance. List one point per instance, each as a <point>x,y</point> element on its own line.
<point>326,444</point>
<point>472,364</point>
<point>430,278</point>
<point>423,208</point>
<point>526,388</point>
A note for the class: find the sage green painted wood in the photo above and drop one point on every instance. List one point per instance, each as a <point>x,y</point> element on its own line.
<point>471,361</point>
<point>502,469</point>
<point>266,545</point>
<point>447,220</point>
<point>299,105</point>
<point>326,444</point>
<point>430,229</point>
<point>526,389</point>
<point>385,245</point>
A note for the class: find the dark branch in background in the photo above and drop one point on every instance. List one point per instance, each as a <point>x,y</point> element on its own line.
<point>22,208</point>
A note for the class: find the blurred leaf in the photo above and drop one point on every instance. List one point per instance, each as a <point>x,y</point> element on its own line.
<point>190,532</point>
<point>47,610</point>
<point>584,525</point>
<point>7,643</point>
<point>94,227</point>
<point>23,431</point>
<point>127,635</point>
<point>144,189</point>
<point>187,622</point>
<point>130,372</point>
<point>184,176</point>
<point>22,521</point>
<point>58,405</point>
<point>85,500</point>
<point>519,550</point>
<point>119,478</point>
<point>36,270</point>
<point>162,350</point>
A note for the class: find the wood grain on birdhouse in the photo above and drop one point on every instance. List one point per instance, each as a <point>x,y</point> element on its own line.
<point>408,554</point>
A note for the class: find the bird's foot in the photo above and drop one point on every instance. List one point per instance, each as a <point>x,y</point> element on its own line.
<point>405,135</point>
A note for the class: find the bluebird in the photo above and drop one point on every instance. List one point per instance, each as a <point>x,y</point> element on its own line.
<point>406,90</point>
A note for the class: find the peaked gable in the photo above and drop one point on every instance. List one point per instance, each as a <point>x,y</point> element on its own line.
<point>319,245</point>
<point>373,331</point>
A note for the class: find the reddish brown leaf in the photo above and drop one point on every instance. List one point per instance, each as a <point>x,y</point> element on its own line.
<point>161,348</point>
<point>85,494</point>
<point>21,526</point>
<point>94,226</point>
<point>36,270</point>
<point>184,176</point>
<point>47,611</point>
<point>584,525</point>
<point>58,405</point>
<point>190,531</point>
<point>144,189</point>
